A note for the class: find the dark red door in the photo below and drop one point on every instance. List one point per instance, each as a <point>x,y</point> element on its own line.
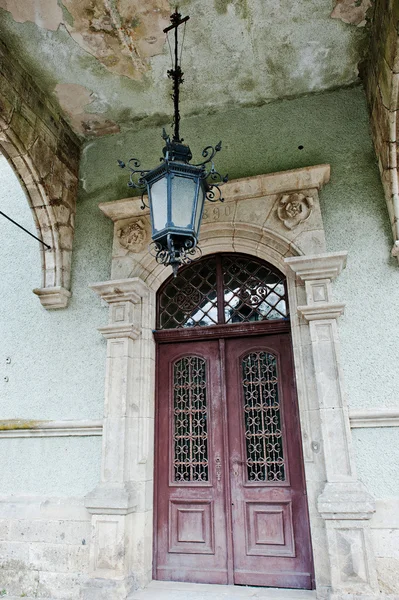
<point>191,523</point>
<point>230,494</point>
<point>271,541</point>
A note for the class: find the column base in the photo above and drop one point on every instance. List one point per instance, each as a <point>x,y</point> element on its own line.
<point>345,500</point>
<point>112,499</point>
<point>346,508</point>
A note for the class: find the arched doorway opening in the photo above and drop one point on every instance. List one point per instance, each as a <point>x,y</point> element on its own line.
<point>230,495</point>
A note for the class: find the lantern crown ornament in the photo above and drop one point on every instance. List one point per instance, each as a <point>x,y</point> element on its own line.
<point>176,189</point>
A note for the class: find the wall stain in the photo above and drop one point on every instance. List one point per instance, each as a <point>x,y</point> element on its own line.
<point>12,424</point>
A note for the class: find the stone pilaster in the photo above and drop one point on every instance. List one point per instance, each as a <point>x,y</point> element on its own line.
<point>344,504</point>
<point>121,504</point>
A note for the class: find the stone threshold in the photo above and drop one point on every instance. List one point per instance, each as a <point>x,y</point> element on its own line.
<point>170,590</point>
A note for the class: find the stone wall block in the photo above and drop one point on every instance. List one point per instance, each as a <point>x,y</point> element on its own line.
<point>43,156</point>
<point>68,151</point>
<point>4,529</point>
<point>6,108</point>
<point>23,130</point>
<point>61,212</point>
<point>66,263</point>
<point>387,571</point>
<point>44,133</point>
<point>60,586</point>
<point>12,553</point>
<point>66,236</point>
<point>28,114</point>
<point>49,532</point>
<point>58,558</point>
<point>19,582</point>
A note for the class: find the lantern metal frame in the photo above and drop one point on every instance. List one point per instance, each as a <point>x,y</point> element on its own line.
<point>177,245</point>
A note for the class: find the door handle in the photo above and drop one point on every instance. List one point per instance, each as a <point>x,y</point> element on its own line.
<point>236,467</point>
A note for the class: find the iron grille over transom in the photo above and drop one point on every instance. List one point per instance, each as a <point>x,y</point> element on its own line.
<point>223,288</point>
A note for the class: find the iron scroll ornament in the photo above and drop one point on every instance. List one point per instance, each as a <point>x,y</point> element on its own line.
<point>215,179</point>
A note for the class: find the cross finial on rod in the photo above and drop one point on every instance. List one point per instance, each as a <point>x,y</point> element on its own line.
<point>176,74</point>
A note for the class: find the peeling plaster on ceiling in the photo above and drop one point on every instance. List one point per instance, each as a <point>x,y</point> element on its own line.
<point>74,99</point>
<point>352,11</point>
<point>121,34</point>
<point>236,53</point>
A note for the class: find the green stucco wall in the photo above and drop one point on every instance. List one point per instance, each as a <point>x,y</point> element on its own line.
<point>58,358</point>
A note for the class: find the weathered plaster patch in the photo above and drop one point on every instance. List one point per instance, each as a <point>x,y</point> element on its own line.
<point>74,99</point>
<point>352,11</point>
<point>45,13</point>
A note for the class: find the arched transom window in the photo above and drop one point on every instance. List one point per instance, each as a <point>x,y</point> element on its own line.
<point>222,289</point>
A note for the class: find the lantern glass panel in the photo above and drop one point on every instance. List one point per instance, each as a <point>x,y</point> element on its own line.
<point>159,204</point>
<point>200,204</point>
<point>183,199</point>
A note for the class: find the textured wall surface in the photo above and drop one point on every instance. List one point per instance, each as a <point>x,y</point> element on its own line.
<point>67,466</point>
<point>58,358</point>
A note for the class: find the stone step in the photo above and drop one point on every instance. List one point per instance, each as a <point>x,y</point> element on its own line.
<point>169,590</point>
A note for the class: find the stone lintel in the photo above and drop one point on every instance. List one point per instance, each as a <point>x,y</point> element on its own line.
<point>238,189</point>
<point>345,500</point>
<point>316,312</point>
<point>321,266</point>
<point>53,297</point>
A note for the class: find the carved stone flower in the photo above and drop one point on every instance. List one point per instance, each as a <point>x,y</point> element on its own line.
<point>293,209</point>
<point>133,237</point>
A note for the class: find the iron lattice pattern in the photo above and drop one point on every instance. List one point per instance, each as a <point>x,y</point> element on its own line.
<point>222,289</point>
<point>252,291</point>
<point>190,436</point>
<point>262,418</point>
<point>190,299</point>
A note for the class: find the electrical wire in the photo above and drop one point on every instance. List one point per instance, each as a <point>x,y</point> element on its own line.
<point>23,229</point>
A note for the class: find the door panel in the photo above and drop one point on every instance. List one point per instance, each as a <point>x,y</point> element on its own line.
<point>271,540</point>
<point>190,521</point>
<point>230,410</point>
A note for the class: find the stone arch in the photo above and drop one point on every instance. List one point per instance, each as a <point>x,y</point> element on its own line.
<point>382,90</point>
<point>44,154</point>
<point>253,240</point>
<point>55,260</point>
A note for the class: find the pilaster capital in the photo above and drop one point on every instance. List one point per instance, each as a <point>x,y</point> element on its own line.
<point>317,272</point>
<point>124,297</point>
<point>122,290</point>
<point>319,266</point>
<point>321,311</point>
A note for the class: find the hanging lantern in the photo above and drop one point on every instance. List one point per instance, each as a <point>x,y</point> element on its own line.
<point>177,189</point>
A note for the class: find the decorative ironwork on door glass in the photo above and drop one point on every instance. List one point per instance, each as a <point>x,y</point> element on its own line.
<point>190,435</point>
<point>262,418</point>
<point>223,288</point>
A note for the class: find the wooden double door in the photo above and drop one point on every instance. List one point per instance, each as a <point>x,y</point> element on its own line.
<point>230,500</point>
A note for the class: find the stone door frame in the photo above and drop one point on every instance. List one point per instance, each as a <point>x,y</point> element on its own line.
<point>276,218</point>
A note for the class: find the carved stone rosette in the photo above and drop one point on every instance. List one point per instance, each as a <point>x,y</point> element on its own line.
<point>133,236</point>
<point>293,209</point>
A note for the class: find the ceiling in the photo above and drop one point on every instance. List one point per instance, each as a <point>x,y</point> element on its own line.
<point>105,61</point>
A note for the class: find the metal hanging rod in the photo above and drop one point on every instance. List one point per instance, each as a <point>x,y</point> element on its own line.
<point>26,231</point>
